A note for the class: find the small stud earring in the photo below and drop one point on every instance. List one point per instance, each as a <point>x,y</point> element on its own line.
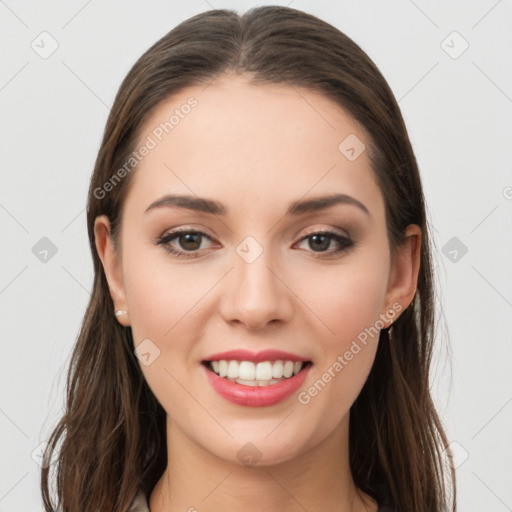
<point>120,312</point>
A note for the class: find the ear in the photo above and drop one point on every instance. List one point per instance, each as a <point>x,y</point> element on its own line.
<point>111,261</point>
<point>403,277</point>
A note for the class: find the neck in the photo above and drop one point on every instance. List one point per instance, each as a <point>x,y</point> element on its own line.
<point>317,480</point>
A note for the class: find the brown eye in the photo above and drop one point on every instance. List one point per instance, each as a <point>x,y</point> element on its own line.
<point>321,241</point>
<point>188,242</point>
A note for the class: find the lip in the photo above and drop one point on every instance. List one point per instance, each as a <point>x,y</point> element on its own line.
<point>256,396</point>
<point>256,357</point>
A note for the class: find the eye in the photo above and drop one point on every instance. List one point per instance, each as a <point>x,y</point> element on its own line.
<point>319,241</point>
<point>189,240</point>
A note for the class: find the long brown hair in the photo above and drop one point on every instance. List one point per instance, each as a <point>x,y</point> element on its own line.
<point>112,434</point>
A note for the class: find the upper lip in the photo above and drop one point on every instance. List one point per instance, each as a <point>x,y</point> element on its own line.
<point>255,357</point>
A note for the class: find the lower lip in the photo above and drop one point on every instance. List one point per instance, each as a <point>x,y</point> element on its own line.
<point>256,396</point>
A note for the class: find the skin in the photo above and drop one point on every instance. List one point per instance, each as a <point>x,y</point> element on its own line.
<point>255,149</point>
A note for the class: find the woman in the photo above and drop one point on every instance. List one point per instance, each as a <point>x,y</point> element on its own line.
<point>261,324</point>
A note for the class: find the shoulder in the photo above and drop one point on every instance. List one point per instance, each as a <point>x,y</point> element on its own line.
<point>139,503</point>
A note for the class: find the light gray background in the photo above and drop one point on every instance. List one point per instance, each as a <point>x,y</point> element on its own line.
<point>458,111</point>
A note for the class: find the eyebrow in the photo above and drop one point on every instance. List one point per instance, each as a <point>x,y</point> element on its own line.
<point>216,208</point>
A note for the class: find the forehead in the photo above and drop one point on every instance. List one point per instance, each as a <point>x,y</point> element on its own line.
<point>248,144</point>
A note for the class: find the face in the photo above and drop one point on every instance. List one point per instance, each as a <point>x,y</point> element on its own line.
<point>259,271</point>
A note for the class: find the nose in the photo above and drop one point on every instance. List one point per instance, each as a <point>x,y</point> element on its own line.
<point>255,294</point>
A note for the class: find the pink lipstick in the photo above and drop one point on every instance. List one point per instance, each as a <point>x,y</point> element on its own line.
<point>256,379</point>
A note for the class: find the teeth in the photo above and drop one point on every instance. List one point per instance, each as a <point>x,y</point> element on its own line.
<point>288,369</point>
<point>277,369</point>
<point>246,370</point>
<point>233,370</point>
<point>251,382</point>
<point>223,368</point>
<point>257,382</point>
<point>265,373</point>
<point>263,370</point>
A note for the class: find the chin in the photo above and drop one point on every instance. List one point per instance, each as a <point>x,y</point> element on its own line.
<point>260,450</point>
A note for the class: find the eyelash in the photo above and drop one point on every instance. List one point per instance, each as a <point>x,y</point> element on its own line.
<point>164,240</point>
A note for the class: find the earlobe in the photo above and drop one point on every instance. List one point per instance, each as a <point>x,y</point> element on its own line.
<point>403,278</point>
<point>111,266</point>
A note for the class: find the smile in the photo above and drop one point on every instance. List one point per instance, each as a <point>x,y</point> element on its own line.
<point>247,373</point>
<point>255,380</point>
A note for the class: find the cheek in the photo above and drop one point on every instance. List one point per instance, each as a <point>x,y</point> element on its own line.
<point>163,301</point>
<point>161,297</point>
<point>348,298</point>
<point>151,305</point>
<point>349,302</point>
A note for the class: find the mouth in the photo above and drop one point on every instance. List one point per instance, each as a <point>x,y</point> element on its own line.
<point>257,379</point>
<point>263,373</point>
